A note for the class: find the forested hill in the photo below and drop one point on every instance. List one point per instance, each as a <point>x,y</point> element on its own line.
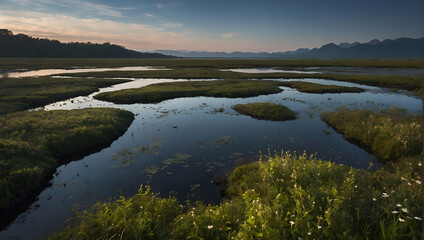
<point>21,45</point>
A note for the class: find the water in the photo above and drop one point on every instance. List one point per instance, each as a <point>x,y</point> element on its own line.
<point>178,145</point>
<point>335,70</point>
<point>268,70</point>
<point>47,72</point>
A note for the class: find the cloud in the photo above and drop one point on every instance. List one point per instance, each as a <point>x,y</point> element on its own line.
<point>172,24</point>
<point>229,35</point>
<point>158,5</point>
<point>71,29</point>
<point>82,6</point>
<point>149,15</point>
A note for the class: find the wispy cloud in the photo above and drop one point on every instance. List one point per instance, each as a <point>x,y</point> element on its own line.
<point>158,5</point>
<point>229,35</point>
<point>149,15</point>
<point>82,6</point>
<point>172,24</point>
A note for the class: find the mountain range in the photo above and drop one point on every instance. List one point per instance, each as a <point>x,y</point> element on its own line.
<point>24,46</point>
<point>401,48</point>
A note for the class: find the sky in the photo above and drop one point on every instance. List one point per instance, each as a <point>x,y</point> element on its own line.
<point>214,25</point>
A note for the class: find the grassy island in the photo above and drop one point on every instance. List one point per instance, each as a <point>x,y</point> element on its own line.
<point>307,87</point>
<point>164,91</point>
<point>266,111</point>
<point>33,144</point>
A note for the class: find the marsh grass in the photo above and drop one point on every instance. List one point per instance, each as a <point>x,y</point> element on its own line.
<point>163,91</point>
<point>33,144</point>
<point>18,94</point>
<point>390,134</point>
<point>320,88</point>
<point>43,63</point>
<point>266,111</point>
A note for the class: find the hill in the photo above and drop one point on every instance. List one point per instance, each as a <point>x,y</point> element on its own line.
<point>401,48</point>
<point>21,45</point>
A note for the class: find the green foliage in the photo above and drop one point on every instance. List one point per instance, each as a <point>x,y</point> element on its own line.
<point>320,88</point>
<point>266,111</point>
<point>23,93</point>
<point>32,143</point>
<point>144,216</point>
<point>163,91</point>
<point>390,134</point>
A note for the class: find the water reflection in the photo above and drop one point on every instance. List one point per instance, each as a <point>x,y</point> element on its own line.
<point>47,72</point>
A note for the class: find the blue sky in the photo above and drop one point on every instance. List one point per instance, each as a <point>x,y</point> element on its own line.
<point>219,25</point>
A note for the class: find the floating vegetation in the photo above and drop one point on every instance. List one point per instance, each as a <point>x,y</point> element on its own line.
<point>152,169</point>
<point>226,140</point>
<point>194,187</point>
<point>178,158</point>
<point>126,156</point>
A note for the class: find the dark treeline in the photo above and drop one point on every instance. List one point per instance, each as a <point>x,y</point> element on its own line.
<point>21,45</point>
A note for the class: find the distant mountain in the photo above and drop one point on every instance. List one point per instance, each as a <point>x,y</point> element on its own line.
<point>205,54</point>
<point>21,45</point>
<point>348,45</point>
<point>375,49</point>
<point>388,49</point>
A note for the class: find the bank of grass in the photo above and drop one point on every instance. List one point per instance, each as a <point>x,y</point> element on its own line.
<point>390,134</point>
<point>285,196</point>
<point>218,88</point>
<point>18,94</point>
<point>266,111</point>
<point>33,144</point>
<point>67,63</point>
<point>411,83</point>
<point>320,88</point>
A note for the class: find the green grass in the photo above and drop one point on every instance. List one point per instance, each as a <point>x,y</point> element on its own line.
<point>18,94</point>
<point>163,91</point>
<point>33,144</point>
<point>285,196</point>
<point>320,88</point>
<point>266,111</point>
<point>412,83</point>
<point>390,134</point>
<point>43,63</point>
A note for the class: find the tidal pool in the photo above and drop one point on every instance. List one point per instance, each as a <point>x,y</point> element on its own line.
<point>177,146</point>
<point>47,72</point>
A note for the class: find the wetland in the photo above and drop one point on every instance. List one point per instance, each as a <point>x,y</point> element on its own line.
<point>187,129</point>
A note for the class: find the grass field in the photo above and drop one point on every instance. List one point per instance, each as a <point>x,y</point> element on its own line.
<point>163,91</point>
<point>284,196</point>
<point>24,93</point>
<point>266,111</point>
<point>43,63</point>
<point>33,144</point>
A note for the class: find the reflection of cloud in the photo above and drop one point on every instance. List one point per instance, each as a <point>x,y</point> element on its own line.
<point>172,24</point>
<point>229,35</point>
<point>84,6</point>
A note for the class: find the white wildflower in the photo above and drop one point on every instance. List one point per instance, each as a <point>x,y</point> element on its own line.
<point>385,195</point>
<point>374,199</point>
<point>398,205</point>
<point>405,210</point>
<point>309,233</point>
<point>210,226</point>
<point>418,181</point>
<point>401,220</point>
<point>319,227</point>
<point>418,218</point>
<point>291,223</point>
<point>395,211</point>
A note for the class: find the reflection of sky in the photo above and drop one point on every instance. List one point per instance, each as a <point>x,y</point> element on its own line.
<point>193,126</point>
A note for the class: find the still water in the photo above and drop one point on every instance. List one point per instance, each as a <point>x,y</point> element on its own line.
<point>177,146</point>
